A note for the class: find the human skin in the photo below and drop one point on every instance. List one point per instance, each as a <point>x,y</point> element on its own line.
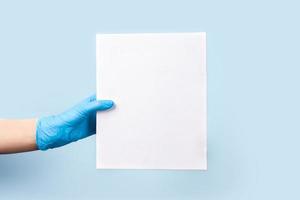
<point>17,136</point>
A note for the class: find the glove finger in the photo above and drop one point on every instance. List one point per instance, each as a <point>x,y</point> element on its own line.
<point>81,106</point>
<point>99,105</point>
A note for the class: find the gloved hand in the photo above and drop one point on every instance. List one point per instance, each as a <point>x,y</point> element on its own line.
<point>74,124</point>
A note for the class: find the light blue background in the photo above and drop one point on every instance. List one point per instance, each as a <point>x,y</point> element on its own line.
<point>47,64</point>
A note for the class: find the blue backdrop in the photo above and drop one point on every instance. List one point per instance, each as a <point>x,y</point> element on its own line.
<point>47,64</point>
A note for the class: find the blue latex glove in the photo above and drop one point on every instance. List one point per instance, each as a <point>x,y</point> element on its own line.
<point>74,124</point>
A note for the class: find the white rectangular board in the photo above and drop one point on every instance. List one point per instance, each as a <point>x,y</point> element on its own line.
<point>158,83</point>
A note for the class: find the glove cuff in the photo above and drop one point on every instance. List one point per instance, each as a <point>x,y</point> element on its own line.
<point>40,143</point>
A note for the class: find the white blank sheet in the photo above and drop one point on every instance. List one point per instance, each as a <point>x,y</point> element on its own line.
<point>158,83</point>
